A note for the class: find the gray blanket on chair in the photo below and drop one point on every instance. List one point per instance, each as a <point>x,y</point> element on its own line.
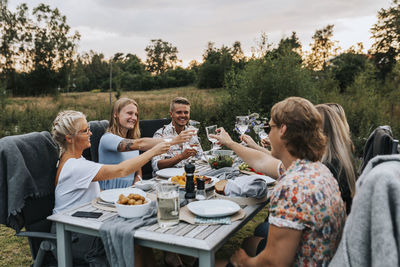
<point>371,235</point>
<point>27,168</point>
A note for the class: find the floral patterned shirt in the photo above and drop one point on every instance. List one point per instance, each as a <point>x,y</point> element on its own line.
<point>169,131</point>
<point>306,197</point>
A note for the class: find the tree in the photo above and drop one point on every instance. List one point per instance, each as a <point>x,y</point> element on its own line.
<point>161,56</point>
<point>322,49</point>
<point>386,32</point>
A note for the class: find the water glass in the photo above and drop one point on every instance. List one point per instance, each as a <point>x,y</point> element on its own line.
<point>167,204</point>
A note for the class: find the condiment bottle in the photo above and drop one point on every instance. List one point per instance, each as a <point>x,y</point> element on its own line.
<point>190,191</point>
<point>200,192</point>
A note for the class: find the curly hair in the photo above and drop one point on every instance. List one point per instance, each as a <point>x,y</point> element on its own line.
<point>304,137</point>
<point>115,127</point>
<point>65,124</point>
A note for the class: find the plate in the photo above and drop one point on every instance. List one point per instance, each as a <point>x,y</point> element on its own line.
<point>112,195</point>
<point>169,172</point>
<point>213,208</point>
<point>207,186</point>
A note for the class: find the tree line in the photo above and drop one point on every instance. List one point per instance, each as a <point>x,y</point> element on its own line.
<point>38,56</point>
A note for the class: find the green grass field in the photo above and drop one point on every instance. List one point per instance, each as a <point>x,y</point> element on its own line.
<point>27,114</point>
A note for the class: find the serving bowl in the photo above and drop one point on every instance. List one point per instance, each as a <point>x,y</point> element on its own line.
<point>145,184</point>
<point>133,211</point>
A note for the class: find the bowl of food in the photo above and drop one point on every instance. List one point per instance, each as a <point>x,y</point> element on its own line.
<point>132,206</point>
<point>220,161</point>
<point>145,184</point>
<point>222,152</point>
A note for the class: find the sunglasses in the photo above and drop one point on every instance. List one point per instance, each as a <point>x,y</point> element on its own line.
<point>86,131</point>
<point>268,127</point>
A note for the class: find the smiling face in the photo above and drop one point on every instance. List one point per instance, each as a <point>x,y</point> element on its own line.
<point>127,117</point>
<point>180,115</point>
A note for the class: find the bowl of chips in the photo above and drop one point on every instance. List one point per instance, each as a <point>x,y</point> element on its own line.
<point>132,206</point>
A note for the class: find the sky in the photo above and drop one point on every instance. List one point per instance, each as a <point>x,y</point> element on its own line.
<point>128,26</point>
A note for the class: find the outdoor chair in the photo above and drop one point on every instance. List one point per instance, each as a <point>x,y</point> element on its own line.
<point>98,128</point>
<point>147,129</point>
<point>371,235</point>
<point>380,142</point>
<point>28,165</point>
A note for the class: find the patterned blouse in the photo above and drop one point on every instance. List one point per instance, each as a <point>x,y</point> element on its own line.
<point>307,198</point>
<point>169,131</point>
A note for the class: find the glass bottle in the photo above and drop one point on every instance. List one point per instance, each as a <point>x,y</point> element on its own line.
<point>200,192</point>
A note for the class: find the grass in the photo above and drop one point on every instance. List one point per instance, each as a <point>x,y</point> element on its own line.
<point>27,114</point>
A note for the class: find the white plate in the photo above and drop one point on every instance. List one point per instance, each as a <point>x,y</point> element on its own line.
<point>112,195</point>
<point>169,172</point>
<point>207,186</point>
<point>213,208</point>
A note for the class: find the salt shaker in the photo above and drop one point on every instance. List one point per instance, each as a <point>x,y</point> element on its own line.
<point>200,192</point>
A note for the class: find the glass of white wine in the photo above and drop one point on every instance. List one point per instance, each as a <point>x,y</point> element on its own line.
<point>212,130</point>
<point>242,124</point>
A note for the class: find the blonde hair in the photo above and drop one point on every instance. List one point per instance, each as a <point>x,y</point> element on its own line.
<point>340,111</point>
<point>65,124</point>
<point>115,127</point>
<point>303,137</point>
<point>178,100</point>
<point>339,146</point>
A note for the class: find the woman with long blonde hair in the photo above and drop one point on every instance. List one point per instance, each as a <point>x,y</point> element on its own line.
<point>122,141</point>
<point>338,155</point>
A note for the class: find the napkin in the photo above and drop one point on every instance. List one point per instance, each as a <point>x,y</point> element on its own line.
<point>117,236</point>
<point>247,186</point>
<point>223,173</point>
<point>186,215</point>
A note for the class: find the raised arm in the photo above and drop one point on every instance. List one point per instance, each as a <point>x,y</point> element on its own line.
<point>129,166</point>
<point>250,142</point>
<point>259,161</point>
<point>146,143</point>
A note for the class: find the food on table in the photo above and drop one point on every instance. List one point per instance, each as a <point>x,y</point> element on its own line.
<point>131,199</point>
<point>220,187</point>
<point>220,161</point>
<point>181,179</point>
<point>245,167</point>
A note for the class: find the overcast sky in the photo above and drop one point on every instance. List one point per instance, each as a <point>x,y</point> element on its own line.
<point>127,26</point>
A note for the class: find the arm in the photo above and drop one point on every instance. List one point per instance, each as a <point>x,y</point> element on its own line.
<point>166,163</point>
<point>280,250</point>
<point>138,176</point>
<point>129,166</point>
<point>250,142</point>
<point>142,144</point>
<point>260,161</point>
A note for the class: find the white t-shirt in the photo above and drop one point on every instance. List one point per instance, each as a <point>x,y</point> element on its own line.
<point>75,186</point>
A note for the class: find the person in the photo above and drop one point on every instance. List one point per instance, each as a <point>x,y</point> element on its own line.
<point>306,212</point>
<point>177,155</point>
<point>77,178</point>
<point>338,155</point>
<point>122,141</point>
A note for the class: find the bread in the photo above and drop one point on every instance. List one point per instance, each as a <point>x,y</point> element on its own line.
<point>220,187</point>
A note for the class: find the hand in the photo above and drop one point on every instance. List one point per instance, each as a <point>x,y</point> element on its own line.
<point>183,137</point>
<point>189,152</point>
<point>265,142</point>
<point>222,137</point>
<point>239,258</point>
<point>161,148</point>
<point>248,140</point>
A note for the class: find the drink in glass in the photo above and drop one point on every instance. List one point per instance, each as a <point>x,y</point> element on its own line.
<point>167,204</point>
<point>212,130</point>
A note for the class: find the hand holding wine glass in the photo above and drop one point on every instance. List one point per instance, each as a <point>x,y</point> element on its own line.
<point>242,124</point>
<point>212,130</point>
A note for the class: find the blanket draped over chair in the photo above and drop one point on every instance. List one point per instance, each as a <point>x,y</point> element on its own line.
<point>27,168</point>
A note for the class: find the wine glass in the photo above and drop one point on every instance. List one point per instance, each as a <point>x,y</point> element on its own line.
<point>212,130</point>
<point>194,125</point>
<point>242,124</point>
<point>259,130</point>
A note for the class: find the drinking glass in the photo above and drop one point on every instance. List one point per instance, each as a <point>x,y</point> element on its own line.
<point>259,130</point>
<point>194,125</point>
<point>242,123</point>
<point>167,204</point>
<point>212,130</point>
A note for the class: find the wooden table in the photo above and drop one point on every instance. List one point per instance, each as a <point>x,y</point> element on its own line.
<point>201,241</point>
